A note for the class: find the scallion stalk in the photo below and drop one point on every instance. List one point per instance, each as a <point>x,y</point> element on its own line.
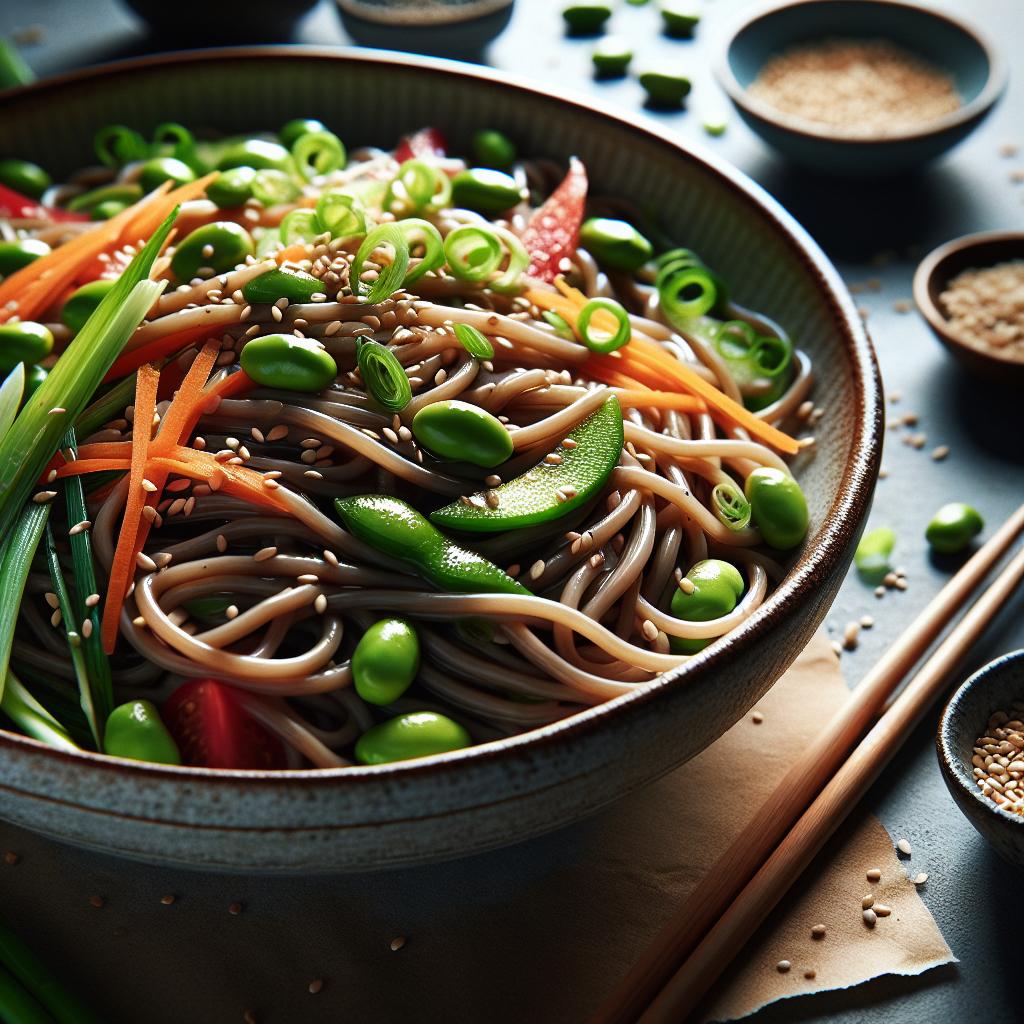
<point>31,717</point>
<point>18,552</point>
<point>384,376</point>
<point>11,392</point>
<point>16,1005</point>
<point>475,342</point>
<point>391,275</point>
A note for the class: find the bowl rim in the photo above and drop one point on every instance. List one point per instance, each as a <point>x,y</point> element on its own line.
<point>950,761</point>
<point>925,276</point>
<point>995,83</point>
<point>824,552</point>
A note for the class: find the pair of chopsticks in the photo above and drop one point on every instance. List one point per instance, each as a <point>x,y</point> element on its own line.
<point>812,800</point>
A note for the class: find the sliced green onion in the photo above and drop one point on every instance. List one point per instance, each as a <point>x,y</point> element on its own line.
<point>182,142</point>
<point>676,259</point>
<point>300,225</point>
<point>603,342</point>
<point>417,186</point>
<point>473,253</point>
<point>730,506</point>
<point>318,153</point>
<point>687,293</point>
<point>31,717</point>
<point>384,377</point>
<point>518,261</point>
<point>421,232</point>
<point>272,187</point>
<point>734,339</point>
<point>771,356</point>
<point>268,242</point>
<point>475,342</point>
<point>560,324</point>
<point>13,69</point>
<point>117,145</point>
<point>11,392</point>
<point>18,551</point>
<point>391,276</point>
<point>341,214</point>
<point>108,406</point>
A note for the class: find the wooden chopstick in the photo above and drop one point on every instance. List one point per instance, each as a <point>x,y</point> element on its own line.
<point>820,761</point>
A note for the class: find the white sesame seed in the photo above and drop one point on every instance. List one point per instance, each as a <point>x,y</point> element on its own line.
<point>320,604</point>
<point>650,630</point>
<point>87,628</point>
<point>57,410</point>
<point>757,718</point>
<point>264,553</point>
<point>783,966</point>
<point>92,600</point>
<point>55,618</point>
<point>42,497</point>
<point>231,611</point>
<point>921,878</point>
<point>870,917</point>
<point>882,909</point>
<point>148,486</point>
<point>331,558</point>
<point>904,847</point>
<point>537,569</point>
<point>397,943</point>
<point>52,600</point>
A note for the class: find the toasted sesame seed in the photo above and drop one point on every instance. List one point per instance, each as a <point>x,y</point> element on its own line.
<point>882,909</point>
<point>57,410</point>
<point>553,459</point>
<point>222,543</point>
<point>921,878</point>
<point>87,628</point>
<point>810,974</point>
<point>867,901</point>
<point>315,986</point>
<point>55,618</point>
<point>818,931</point>
<point>757,717</point>
<point>870,917</point>
<point>51,599</point>
<point>686,585</point>
<point>537,569</point>
<point>904,847</point>
<point>397,943</point>
<point>783,966</point>
<point>167,900</point>
<point>330,557</point>
<point>235,909</point>
<point>264,553</point>
<point>10,857</point>
<point>42,497</point>
<point>866,622</point>
<point>650,630</point>
<point>513,569</point>
<point>874,875</point>
<point>96,901</point>
<point>143,561</point>
<point>231,611</point>
<point>92,600</point>
<point>313,474</point>
<point>320,604</point>
<point>939,453</point>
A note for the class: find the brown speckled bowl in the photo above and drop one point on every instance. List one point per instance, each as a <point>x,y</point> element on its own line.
<point>990,689</point>
<point>438,807</point>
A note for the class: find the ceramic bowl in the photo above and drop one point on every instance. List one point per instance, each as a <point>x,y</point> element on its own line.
<point>991,689</point>
<point>943,39</point>
<point>935,272</point>
<point>497,793</point>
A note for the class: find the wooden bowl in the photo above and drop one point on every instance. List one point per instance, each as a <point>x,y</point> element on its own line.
<point>500,792</point>
<point>935,272</point>
<point>965,717</point>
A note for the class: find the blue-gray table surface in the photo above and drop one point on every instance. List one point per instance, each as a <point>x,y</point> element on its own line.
<point>875,233</point>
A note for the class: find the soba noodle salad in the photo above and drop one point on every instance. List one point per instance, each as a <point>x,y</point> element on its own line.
<point>317,458</point>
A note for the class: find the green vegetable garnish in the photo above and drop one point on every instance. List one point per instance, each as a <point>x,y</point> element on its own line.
<point>873,552</point>
<point>462,432</point>
<point>615,243</point>
<point>551,489</point>
<point>953,527</point>
<point>778,507</point>
<point>136,731</point>
<point>384,376</point>
<point>611,56</point>
<point>665,87</point>
<point>600,341</point>
<point>22,341</point>
<point>716,588</point>
<point>485,190</point>
<point>385,661</point>
<point>493,149</point>
<point>318,153</point>
<point>418,734</point>
<point>277,283</point>
<point>477,344</point>
<point>679,18</point>
<point>585,19</point>
<point>290,363</point>
<point>27,178</point>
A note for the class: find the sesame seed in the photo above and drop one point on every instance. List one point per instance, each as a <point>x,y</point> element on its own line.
<point>882,909</point>
<point>42,497</point>
<point>10,857</point>
<point>904,847</point>
<point>879,591</point>
<point>315,986</point>
<point>270,483</point>
<point>851,635</point>
<point>92,600</point>
<point>96,901</point>
<point>867,901</point>
<point>55,618</point>
<point>330,557</point>
<point>537,569</point>
<point>757,718</point>
<point>57,410</point>
<point>866,622</point>
<point>810,974</point>
<point>264,553</point>
<point>276,314</point>
<point>235,909</point>
<point>397,943</point>
<point>313,474</point>
<point>818,931</point>
<point>320,604</point>
<point>686,585</point>
<point>921,878</point>
<point>390,435</point>
<point>148,486</point>
<point>139,622</point>
<point>870,917</point>
<point>307,577</point>
<point>783,966</point>
<point>553,459</point>
<point>513,569</point>
<point>143,561</point>
<point>650,630</point>
<point>167,900</point>
<point>939,453</point>
<point>222,543</point>
<point>51,599</point>
<point>231,611</point>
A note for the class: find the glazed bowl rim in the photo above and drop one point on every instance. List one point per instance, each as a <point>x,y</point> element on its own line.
<point>824,552</point>
<point>925,276</point>
<point>949,758</point>
<point>995,83</point>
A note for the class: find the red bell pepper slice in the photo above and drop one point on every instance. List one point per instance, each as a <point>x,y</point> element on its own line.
<point>424,143</point>
<point>15,205</point>
<point>554,229</point>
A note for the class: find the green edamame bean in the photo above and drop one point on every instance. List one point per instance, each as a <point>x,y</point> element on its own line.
<point>485,190</point>
<point>18,254</point>
<point>228,243</point>
<point>232,188</point>
<point>293,285</point>
<point>257,153</point>
<point>717,586</point>
<point>664,87</point>
<point>777,506</point>
<point>418,734</point>
<point>873,552</point>
<point>679,17</point>
<point>584,19</point>
<point>107,209</point>
<point>385,661</point>
<point>298,127</point>
<point>953,527</point>
<point>611,56</point>
<point>493,149</point>
<point>126,192</point>
<point>25,177</point>
<point>135,730</point>
<point>458,430</point>
<point>615,243</point>
<point>289,363</point>
<point>82,303</point>
<point>155,172</point>
<point>34,377</point>
<point>23,342</point>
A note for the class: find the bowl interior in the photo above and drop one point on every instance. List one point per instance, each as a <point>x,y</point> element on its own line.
<point>931,35</point>
<point>967,254</point>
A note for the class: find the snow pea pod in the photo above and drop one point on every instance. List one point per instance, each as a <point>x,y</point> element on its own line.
<point>155,172</point>
<point>394,527</point>
<point>552,488</point>
<point>293,285</point>
<point>418,734</point>
<point>135,730</point>
<point>256,153</point>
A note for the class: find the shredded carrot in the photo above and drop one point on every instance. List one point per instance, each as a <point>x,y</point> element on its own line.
<point>147,217</point>
<point>82,466</point>
<point>121,569</point>
<point>184,402</point>
<point>646,360</point>
<point>292,253</point>
<point>660,400</point>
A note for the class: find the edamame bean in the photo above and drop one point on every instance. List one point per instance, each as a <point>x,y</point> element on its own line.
<point>23,342</point>
<point>123,192</point>
<point>82,303</point>
<point>385,661</point>
<point>298,127</point>
<point>219,246</point>
<point>953,527</point>
<point>717,586</point>
<point>418,734</point>
<point>777,506</point>
<point>584,19</point>
<point>135,730</point>
<point>20,253</point>
<point>293,285</point>
<point>485,190</point>
<point>873,552</point>
<point>27,178</point>
<point>107,209</point>
<point>615,243</point>
<point>611,57</point>
<point>256,153</point>
<point>458,430</point>
<point>664,87</point>
<point>232,188</point>
<point>679,17</point>
<point>155,172</point>
<point>493,149</point>
<point>289,363</point>
<point>34,377</point>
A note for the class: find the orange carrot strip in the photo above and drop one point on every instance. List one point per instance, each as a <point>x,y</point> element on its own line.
<point>147,217</point>
<point>121,570</point>
<point>106,450</point>
<point>184,402</point>
<point>82,466</point>
<point>660,400</point>
<point>128,362</point>
<point>292,253</point>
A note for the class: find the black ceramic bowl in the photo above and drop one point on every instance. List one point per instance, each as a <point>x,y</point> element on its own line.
<point>364,818</point>
<point>991,689</point>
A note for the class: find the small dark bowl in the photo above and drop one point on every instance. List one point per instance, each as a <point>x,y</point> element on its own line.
<point>965,717</point>
<point>938,268</point>
<point>196,22</point>
<point>941,38</point>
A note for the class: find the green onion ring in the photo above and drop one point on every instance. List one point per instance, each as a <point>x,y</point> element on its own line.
<point>116,145</point>
<point>735,339</point>
<point>300,225</point>
<point>771,356</point>
<point>341,214</point>
<point>475,342</point>
<point>183,143</point>
<point>609,343</point>
<point>425,187</point>
<point>730,506</point>
<point>518,261</point>
<point>562,326</point>
<point>473,253</point>
<point>391,276</point>
<point>383,375</point>
<point>318,153</point>
<point>272,187</point>
<point>682,283</point>
<point>415,231</point>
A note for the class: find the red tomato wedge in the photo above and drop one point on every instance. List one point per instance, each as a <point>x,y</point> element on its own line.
<point>212,729</point>
<point>14,204</point>
<point>425,142</point>
<point>554,229</point>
